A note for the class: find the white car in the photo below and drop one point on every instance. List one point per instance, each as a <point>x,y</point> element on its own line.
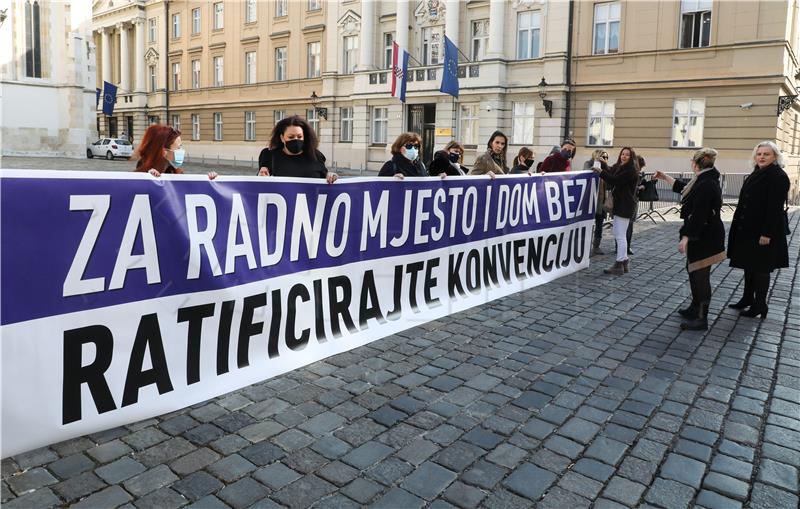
<point>110,148</point>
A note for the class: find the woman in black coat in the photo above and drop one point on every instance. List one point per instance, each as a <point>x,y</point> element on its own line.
<point>623,178</point>
<point>405,161</point>
<point>757,240</point>
<point>702,234</point>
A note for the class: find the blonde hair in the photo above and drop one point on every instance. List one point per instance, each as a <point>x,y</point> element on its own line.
<point>597,153</point>
<point>705,157</point>
<point>779,159</point>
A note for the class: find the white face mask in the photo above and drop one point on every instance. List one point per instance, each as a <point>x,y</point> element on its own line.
<point>410,153</point>
<point>179,154</point>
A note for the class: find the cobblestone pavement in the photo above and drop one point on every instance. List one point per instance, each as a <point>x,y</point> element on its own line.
<point>582,392</point>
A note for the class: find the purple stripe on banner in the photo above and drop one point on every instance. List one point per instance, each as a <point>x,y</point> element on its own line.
<point>40,234</point>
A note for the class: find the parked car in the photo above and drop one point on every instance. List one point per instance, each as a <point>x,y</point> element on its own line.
<point>110,148</point>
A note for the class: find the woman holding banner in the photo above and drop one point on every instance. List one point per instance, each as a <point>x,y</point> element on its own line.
<point>448,161</point>
<point>622,178</point>
<point>161,151</point>
<point>702,234</point>
<point>492,162</point>
<point>523,162</point>
<point>599,160</point>
<point>757,241</point>
<point>292,152</point>
<point>405,160</point>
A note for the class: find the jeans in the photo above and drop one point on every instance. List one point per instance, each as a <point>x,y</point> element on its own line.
<point>620,229</point>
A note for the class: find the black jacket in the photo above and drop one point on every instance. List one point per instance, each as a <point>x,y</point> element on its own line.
<point>623,180</point>
<point>441,164</point>
<point>399,164</point>
<point>700,213</point>
<point>760,211</point>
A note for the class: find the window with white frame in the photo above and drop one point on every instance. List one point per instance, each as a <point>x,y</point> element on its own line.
<point>522,123</point>
<point>279,115</point>
<point>250,126</point>
<point>219,71</point>
<point>176,122</point>
<point>33,40</point>
<point>529,28</point>
<point>313,119</point>
<point>380,124</point>
<point>314,57</point>
<point>388,48</point>
<point>196,21</point>
<point>176,25</point>
<point>600,132</point>
<point>606,28</point>
<point>480,39</point>
<point>250,11</point>
<point>195,73</point>
<point>468,123</point>
<point>176,75</point>
<point>217,126</point>
<point>350,54</point>
<point>687,122</point>
<point>219,16</point>
<point>280,64</point>
<point>314,5</point>
<point>195,126</point>
<point>152,119</point>
<point>346,126</point>
<point>250,67</point>
<point>151,69</point>
<point>281,8</point>
<point>695,23</point>
<point>151,30</point>
<point>431,45</point>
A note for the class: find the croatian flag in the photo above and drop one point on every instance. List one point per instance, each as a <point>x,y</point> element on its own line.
<point>399,72</point>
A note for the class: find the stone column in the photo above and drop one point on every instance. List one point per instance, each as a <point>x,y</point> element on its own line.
<point>367,42</point>
<point>125,63</point>
<point>451,18</point>
<point>401,26</point>
<point>105,32</point>
<point>140,63</point>
<point>497,19</point>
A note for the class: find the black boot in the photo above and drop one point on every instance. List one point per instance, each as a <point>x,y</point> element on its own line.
<point>596,248</point>
<point>747,295</point>
<point>691,311</point>
<point>700,322</point>
<point>760,289</point>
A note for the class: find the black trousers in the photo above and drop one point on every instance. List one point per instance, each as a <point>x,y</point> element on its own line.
<point>598,228</point>
<point>700,284</point>
<point>756,287</point>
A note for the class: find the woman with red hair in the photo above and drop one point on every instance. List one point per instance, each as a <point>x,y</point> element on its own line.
<point>161,151</point>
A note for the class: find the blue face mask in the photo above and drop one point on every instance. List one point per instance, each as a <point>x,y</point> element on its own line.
<point>411,154</point>
<point>179,154</point>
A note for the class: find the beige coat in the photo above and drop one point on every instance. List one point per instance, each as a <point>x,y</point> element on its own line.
<point>484,164</point>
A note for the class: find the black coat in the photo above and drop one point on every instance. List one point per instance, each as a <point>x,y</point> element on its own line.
<point>760,212</point>
<point>441,164</point>
<point>623,180</point>
<point>700,213</point>
<point>400,164</point>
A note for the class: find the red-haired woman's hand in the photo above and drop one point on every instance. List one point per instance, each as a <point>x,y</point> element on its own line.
<point>263,171</point>
<point>212,175</point>
<point>331,177</point>
<point>154,172</point>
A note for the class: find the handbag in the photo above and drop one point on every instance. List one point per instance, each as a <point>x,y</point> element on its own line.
<point>649,193</point>
<point>608,203</point>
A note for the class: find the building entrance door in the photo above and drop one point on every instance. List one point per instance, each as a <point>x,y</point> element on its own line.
<point>422,120</point>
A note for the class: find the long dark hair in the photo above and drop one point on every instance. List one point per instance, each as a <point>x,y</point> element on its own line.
<point>491,139</point>
<point>150,153</point>
<point>632,162</point>
<point>311,142</point>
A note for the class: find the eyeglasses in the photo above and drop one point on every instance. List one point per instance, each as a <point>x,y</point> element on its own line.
<point>409,146</point>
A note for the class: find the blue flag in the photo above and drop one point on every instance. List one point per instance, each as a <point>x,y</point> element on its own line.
<point>97,99</point>
<point>450,75</point>
<point>405,77</point>
<point>109,98</point>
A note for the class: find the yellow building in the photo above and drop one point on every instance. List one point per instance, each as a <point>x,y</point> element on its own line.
<point>663,76</point>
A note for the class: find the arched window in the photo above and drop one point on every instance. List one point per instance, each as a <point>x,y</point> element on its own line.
<point>33,40</point>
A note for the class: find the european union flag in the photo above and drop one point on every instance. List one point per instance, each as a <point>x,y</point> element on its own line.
<point>109,98</point>
<point>450,75</point>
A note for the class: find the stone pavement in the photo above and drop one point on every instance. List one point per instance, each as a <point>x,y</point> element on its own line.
<point>582,392</point>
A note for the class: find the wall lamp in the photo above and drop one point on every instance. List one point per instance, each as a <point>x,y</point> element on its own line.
<point>548,105</point>
<point>321,112</point>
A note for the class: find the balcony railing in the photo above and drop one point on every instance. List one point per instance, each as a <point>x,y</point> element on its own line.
<point>432,73</point>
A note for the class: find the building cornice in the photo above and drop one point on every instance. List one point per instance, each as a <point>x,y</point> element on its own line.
<point>313,28</point>
<point>280,35</point>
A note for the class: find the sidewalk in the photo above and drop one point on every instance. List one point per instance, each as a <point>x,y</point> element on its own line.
<point>582,391</point>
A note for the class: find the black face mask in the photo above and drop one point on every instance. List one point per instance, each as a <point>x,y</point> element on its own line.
<point>294,146</point>
<point>454,157</point>
<point>529,162</point>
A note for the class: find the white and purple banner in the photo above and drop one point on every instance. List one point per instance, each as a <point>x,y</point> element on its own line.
<point>124,296</point>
